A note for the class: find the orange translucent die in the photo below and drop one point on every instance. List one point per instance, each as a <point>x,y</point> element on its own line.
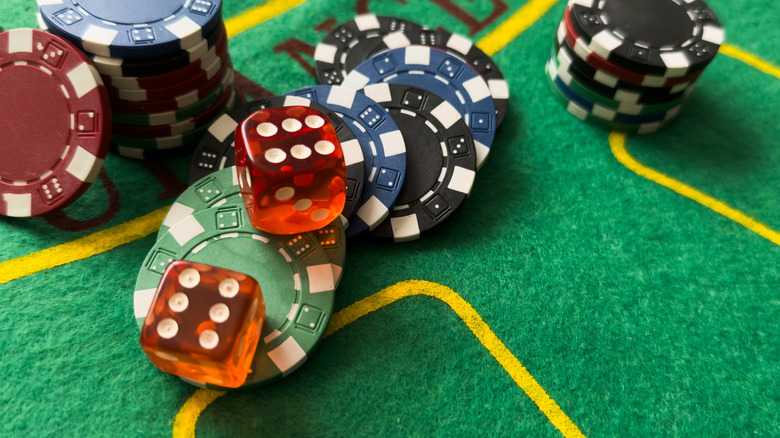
<point>204,323</point>
<point>291,169</point>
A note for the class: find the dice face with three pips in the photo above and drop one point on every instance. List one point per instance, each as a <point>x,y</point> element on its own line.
<point>204,323</point>
<point>291,169</point>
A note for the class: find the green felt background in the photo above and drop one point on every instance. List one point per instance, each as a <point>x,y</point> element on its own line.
<point>640,312</point>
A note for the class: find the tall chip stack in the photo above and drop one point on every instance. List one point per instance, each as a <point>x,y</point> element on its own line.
<point>629,65</point>
<point>165,63</point>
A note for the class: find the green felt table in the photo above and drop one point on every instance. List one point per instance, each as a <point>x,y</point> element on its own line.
<point>592,285</point>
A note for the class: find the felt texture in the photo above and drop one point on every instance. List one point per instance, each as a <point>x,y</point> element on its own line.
<point>639,311</point>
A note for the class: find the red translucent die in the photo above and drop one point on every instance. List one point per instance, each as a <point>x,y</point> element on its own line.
<point>204,323</point>
<point>291,169</point>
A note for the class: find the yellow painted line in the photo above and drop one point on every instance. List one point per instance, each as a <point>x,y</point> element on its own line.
<point>516,24</point>
<point>617,143</point>
<point>82,248</point>
<point>750,59</point>
<point>184,424</point>
<point>259,15</point>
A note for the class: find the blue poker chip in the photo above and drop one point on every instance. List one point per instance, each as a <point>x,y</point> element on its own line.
<point>444,75</point>
<point>132,29</point>
<point>384,151</point>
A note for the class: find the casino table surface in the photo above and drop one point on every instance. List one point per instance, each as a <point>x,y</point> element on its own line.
<point>592,284</point>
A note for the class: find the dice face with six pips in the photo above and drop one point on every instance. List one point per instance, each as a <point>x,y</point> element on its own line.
<point>291,169</point>
<point>204,323</point>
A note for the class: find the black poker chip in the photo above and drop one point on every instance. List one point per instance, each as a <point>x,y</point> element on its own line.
<point>216,149</point>
<point>665,37</point>
<point>346,46</point>
<point>441,160</point>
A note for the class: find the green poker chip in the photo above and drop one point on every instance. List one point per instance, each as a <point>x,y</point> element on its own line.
<point>586,116</point>
<point>294,273</point>
<point>221,188</point>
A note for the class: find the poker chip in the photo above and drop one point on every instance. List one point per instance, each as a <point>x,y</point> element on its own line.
<point>158,65</point>
<point>129,29</point>
<point>605,112</point>
<point>294,273</point>
<point>441,73</point>
<point>351,43</point>
<point>567,36</point>
<point>171,117</point>
<point>616,89</point>
<point>172,103</point>
<point>221,188</point>
<point>384,152</point>
<point>173,141</point>
<point>219,51</point>
<point>585,115</point>
<point>216,69</point>
<point>441,159</point>
<point>45,78</point>
<point>669,38</point>
<point>179,128</point>
<point>217,149</point>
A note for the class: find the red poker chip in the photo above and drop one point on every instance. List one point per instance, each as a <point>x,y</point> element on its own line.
<point>571,37</point>
<point>171,78</point>
<point>55,123</point>
<point>172,103</point>
<point>214,70</point>
<point>178,128</point>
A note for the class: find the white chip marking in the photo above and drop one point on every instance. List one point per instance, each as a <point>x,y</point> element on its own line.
<point>186,230</point>
<point>405,228</point>
<point>392,143</point>
<point>223,127</point>
<point>352,152</point>
<point>460,43</point>
<point>325,53</point>
<point>446,114</point>
<point>477,89</point>
<point>366,22</point>
<point>287,356</point>
<point>83,165</point>
<point>373,211</point>
<point>142,302</point>
<point>417,55</point>
<point>378,92</point>
<point>321,278</point>
<point>20,40</point>
<point>396,40</point>
<point>342,96</point>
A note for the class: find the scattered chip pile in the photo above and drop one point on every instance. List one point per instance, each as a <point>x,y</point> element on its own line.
<point>629,65</point>
<point>414,112</point>
<point>166,67</point>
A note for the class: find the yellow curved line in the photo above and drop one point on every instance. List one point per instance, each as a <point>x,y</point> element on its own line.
<point>258,15</point>
<point>516,24</point>
<point>82,248</point>
<point>184,424</point>
<point>617,143</point>
<point>750,59</point>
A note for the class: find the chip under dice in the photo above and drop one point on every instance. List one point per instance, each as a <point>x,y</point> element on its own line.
<point>291,169</point>
<point>204,323</point>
